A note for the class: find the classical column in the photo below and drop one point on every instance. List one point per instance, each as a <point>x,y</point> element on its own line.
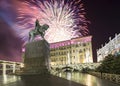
<point>78,57</point>
<point>68,58</point>
<point>4,68</point>
<point>14,67</point>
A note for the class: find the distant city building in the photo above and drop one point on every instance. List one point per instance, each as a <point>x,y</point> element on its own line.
<point>112,47</point>
<point>9,67</point>
<point>74,51</point>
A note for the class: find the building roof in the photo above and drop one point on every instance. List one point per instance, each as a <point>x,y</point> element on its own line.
<point>71,41</point>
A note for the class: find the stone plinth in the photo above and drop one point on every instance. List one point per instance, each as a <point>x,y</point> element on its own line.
<point>36,59</point>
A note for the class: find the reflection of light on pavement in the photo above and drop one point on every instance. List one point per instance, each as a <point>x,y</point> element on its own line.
<point>69,76</point>
<point>91,81</point>
<point>9,79</point>
<point>4,79</point>
<point>88,81</point>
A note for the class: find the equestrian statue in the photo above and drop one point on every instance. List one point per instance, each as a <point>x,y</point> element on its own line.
<point>39,30</point>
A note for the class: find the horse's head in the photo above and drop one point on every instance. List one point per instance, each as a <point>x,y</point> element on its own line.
<point>45,26</point>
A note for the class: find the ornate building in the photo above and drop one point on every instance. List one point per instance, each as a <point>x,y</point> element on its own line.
<point>74,51</point>
<point>112,47</point>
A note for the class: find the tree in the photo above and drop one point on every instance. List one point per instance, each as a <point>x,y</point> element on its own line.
<point>111,64</point>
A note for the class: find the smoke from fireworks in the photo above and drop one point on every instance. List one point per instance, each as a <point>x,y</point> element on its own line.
<point>65,18</point>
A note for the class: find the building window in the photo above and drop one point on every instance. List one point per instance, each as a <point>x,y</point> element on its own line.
<point>74,57</point>
<point>73,51</point>
<point>80,51</point>
<point>84,49</point>
<point>77,45</point>
<point>84,44</point>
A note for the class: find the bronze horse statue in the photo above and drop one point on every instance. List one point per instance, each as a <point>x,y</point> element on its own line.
<point>39,30</point>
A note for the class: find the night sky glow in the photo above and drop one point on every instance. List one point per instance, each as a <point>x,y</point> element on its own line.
<point>66,19</point>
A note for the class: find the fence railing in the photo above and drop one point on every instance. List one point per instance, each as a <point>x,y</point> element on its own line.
<point>112,77</point>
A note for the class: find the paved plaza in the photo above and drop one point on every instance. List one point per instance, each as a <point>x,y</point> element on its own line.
<point>35,80</point>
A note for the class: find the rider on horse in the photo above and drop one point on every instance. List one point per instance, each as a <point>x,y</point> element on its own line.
<point>38,30</point>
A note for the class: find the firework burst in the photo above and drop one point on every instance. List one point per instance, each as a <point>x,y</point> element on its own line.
<point>65,18</point>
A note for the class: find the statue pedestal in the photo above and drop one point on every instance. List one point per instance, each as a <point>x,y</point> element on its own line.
<point>36,59</point>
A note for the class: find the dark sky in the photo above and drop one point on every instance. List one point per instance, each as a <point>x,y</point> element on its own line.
<point>104,16</point>
<point>10,44</point>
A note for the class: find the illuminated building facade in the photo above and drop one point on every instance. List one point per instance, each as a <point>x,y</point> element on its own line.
<point>74,51</point>
<point>9,67</point>
<point>112,47</point>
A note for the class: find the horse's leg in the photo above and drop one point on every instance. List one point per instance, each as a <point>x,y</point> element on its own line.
<point>32,37</point>
<point>29,37</point>
<point>42,35</point>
